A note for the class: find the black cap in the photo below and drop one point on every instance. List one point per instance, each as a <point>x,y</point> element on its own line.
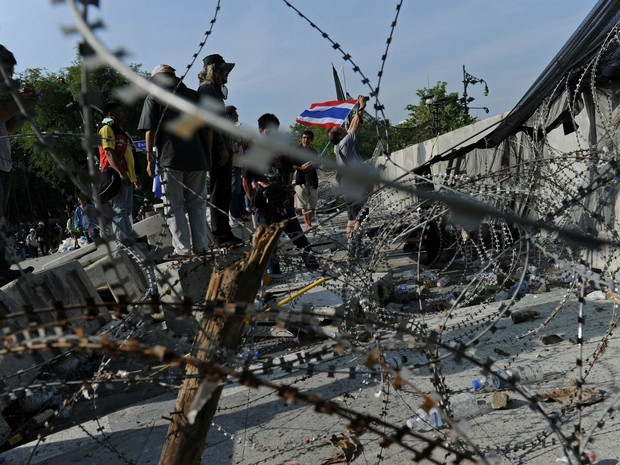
<point>216,59</point>
<point>230,109</point>
<point>7,56</point>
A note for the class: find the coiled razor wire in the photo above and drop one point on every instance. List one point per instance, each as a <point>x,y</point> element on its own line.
<point>555,190</point>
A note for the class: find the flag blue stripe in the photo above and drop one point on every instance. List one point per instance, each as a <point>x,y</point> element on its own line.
<point>336,113</point>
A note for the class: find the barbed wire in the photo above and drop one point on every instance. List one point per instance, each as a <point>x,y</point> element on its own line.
<point>553,187</point>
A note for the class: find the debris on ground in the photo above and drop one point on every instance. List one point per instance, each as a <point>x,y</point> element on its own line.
<point>569,397</point>
<point>347,444</point>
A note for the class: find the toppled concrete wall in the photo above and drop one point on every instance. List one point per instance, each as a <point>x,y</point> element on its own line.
<point>122,272</point>
<point>33,301</point>
<point>66,285</point>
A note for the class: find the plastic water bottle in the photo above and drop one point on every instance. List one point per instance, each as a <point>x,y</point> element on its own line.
<point>480,384</point>
<point>426,421</point>
<point>419,422</point>
<point>522,374</point>
<point>464,405</point>
<point>406,289</point>
<point>436,417</point>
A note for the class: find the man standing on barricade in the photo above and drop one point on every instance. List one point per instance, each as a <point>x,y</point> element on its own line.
<point>306,182</point>
<point>213,78</point>
<point>348,154</point>
<point>116,152</point>
<point>271,196</point>
<point>183,166</point>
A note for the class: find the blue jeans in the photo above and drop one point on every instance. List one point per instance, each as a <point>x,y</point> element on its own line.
<point>122,205</point>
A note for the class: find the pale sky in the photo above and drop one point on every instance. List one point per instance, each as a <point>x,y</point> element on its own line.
<point>283,64</point>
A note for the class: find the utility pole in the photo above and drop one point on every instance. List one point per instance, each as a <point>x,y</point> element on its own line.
<point>434,103</point>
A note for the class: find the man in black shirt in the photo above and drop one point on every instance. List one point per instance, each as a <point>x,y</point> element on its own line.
<point>271,196</point>
<point>213,78</point>
<point>183,166</point>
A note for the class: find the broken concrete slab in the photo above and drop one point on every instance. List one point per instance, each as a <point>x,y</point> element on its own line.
<point>39,297</point>
<point>122,273</point>
<point>66,285</point>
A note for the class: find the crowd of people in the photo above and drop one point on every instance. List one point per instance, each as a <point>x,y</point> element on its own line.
<point>47,237</point>
<point>235,193</point>
<point>207,162</point>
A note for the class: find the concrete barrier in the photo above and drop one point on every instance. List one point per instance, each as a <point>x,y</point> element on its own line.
<point>24,302</point>
<point>121,273</point>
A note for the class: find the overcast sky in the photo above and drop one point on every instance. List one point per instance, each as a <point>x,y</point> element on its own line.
<point>284,65</point>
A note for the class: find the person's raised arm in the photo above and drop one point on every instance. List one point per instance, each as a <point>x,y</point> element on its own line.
<point>357,120</point>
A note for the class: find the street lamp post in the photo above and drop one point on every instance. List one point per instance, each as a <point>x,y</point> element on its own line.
<point>434,103</point>
<point>466,100</point>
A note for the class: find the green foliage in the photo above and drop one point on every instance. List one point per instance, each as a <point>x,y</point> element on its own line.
<point>47,186</point>
<point>439,114</point>
<point>320,138</point>
<point>366,138</point>
<point>52,117</point>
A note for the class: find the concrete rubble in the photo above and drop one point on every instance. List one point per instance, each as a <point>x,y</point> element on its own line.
<point>243,430</point>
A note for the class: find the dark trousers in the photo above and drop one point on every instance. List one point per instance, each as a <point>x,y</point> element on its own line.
<point>220,180</point>
<point>292,229</point>
<point>237,205</point>
<point>5,183</point>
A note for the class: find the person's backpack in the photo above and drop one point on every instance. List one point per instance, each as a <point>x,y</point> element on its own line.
<point>270,197</point>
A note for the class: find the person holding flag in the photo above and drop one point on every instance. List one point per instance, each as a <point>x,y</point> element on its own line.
<point>348,154</point>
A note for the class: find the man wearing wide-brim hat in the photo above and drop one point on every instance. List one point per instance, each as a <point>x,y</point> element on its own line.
<point>213,78</point>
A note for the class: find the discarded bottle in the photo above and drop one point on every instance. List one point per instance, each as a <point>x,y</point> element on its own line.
<point>406,289</point>
<point>419,422</point>
<point>436,417</point>
<point>522,374</point>
<point>442,282</point>
<point>426,421</point>
<point>480,384</point>
<point>464,405</point>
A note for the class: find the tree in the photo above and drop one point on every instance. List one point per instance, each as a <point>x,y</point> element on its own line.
<point>366,138</point>
<point>37,176</point>
<point>438,112</point>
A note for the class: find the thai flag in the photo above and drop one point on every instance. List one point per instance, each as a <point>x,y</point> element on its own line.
<point>327,114</point>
